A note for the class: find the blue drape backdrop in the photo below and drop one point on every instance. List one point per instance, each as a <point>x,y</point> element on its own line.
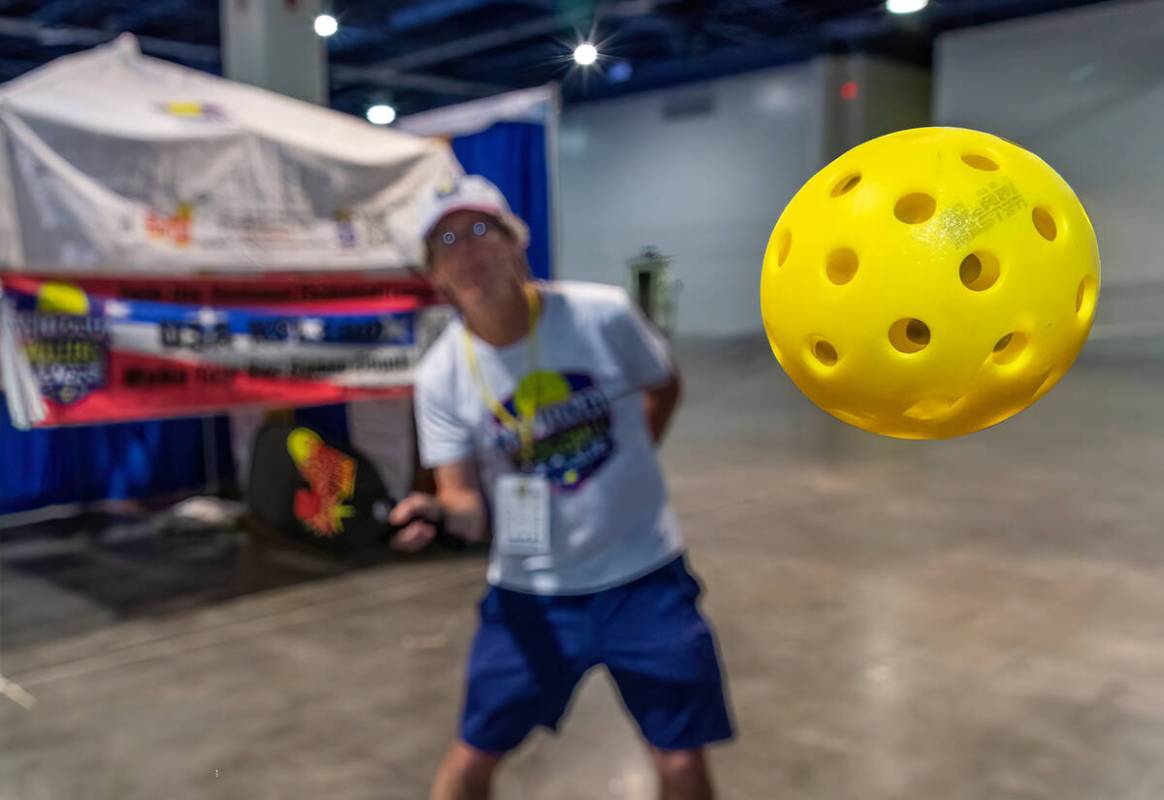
<point>513,156</point>
<point>96,462</point>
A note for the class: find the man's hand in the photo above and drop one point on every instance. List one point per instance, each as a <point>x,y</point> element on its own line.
<point>661,402</point>
<point>424,511</point>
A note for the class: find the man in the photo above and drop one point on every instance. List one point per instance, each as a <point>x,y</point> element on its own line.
<point>539,411</point>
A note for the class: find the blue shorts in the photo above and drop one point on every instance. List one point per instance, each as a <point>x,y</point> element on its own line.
<point>530,652</point>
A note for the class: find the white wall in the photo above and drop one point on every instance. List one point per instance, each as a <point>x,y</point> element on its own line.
<point>1085,90</point>
<point>705,189</point>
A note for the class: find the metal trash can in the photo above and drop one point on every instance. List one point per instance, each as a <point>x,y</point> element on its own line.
<point>654,288</point>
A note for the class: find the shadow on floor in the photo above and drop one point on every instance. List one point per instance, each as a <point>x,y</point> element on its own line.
<point>70,576</point>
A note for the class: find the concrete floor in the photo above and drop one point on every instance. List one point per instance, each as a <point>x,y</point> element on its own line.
<point>981,618</point>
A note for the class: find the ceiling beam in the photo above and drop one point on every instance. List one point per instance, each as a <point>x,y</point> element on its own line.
<point>424,14</point>
<point>57,11</point>
<point>382,76</point>
<point>472,45</point>
<point>67,36</point>
<point>145,13</point>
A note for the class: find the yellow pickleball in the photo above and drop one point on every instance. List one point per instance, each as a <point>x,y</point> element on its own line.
<point>930,283</point>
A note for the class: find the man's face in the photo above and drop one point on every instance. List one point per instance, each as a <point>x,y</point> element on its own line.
<point>473,258</point>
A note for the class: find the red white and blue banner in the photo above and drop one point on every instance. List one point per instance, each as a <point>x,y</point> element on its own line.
<point>97,352</point>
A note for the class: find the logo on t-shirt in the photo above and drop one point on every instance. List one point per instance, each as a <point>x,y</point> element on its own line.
<point>572,437</point>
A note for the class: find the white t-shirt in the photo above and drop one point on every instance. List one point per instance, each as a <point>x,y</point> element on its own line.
<point>610,518</point>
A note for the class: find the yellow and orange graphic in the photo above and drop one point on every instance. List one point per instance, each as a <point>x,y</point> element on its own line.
<point>174,228</point>
<point>331,478</point>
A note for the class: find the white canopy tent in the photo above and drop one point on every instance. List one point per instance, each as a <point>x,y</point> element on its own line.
<point>538,105</point>
<point>111,161</point>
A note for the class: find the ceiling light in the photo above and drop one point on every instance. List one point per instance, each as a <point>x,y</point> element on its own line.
<point>585,54</point>
<point>326,25</point>
<point>905,6</point>
<point>381,114</point>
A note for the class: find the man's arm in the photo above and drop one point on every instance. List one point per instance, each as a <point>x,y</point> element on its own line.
<point>458,503</point>
<point>661,402</point>
<point>645,357</point>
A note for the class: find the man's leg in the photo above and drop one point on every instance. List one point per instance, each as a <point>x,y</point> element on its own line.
<point>466,774</point>
<point>527,657</point>
<point>662,655</point>
<point>683,774</point>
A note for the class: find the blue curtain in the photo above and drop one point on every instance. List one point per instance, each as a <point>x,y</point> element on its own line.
<point>513,156</point>
<point>95,462</point>
<point>70,465</point>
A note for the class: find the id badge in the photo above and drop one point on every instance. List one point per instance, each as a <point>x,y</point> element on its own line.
<point>521,518</point>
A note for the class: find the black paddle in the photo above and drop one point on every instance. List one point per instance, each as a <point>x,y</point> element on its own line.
<point>312,489</point>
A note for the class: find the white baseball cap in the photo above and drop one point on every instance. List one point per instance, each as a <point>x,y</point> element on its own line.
<point>470,193</point>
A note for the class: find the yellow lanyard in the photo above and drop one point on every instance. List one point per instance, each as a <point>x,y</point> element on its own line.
<point>522,424</point>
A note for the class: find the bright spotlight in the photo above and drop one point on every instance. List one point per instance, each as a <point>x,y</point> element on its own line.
<point>326,25</point>
<point>585,54</point>
<point>381,114</point>
<point>905,6</point>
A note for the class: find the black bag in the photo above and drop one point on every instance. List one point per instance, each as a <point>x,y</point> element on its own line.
<point>312,489</point>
